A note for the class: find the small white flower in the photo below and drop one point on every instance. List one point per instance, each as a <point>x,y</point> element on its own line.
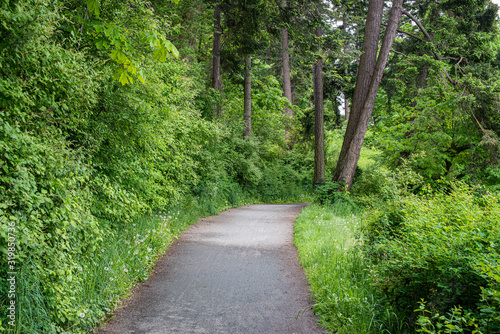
<point>169,217</point>
<point>111,278</point>
<point>106,268</point>
<point>102,250</point>
<point>82,315</point>
<point>111,262</point>
<point>125,270</point>
<point>149,249</point>
<point>80,269</point>
<point>147,257</point>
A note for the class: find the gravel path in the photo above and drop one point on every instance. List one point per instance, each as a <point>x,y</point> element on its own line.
<point>233,273</point>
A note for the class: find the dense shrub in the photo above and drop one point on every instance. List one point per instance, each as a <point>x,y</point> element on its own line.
<point>44,194</point>
<point>331,192</point>
<point>440,247</point>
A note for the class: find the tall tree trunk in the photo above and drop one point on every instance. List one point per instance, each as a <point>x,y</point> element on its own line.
<point>319,136</point>
<point>247,109</point>
<point>367,84</point>
<point>287,87</point>
<point>216,81</point>
<point>346,99</point>
<point>347,108</point>
<point>365,71</point>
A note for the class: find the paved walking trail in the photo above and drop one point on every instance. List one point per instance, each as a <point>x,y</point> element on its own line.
<point>233,273</point>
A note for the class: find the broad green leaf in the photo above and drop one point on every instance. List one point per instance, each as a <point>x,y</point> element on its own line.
<point>93,6</point>
<point>173,49</point>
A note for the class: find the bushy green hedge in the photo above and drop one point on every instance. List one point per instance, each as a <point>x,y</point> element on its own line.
<point>438,246</point>
<point>45,196</point>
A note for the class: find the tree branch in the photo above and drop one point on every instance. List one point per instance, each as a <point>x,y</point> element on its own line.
<point>399,53</point>
<point>420,26</point>
<point>407,33</point>
<point>431,40</point>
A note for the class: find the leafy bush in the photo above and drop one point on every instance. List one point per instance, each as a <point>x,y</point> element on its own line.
<point>491,176</point>
<point>330,192</point>
<point>44,194</point>
<point>433,247</point>
<point>457,321</point>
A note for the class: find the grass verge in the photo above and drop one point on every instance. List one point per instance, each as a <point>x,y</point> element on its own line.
<point>336,269</point>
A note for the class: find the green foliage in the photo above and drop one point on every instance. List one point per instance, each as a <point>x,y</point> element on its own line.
<point>432,134</point>
<point>43,187</point>
<point>379,188</point>
<point>47,94</point>
<point>124,30</point>
<point>491,177</point>
<point>329,193</point>
<point>457,321</point>
<point>489,305</point>
<point>439,107</point>
<point>432,247</point>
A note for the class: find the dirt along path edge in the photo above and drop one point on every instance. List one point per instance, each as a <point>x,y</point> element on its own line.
<point>237,272</point>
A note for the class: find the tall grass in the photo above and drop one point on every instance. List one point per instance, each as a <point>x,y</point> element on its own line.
<point>337,271</point>
<point>328,241</point>
<point>31,303</point>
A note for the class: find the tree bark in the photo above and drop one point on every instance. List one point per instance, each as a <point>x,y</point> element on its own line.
<point>367,84</point>
<point>287,87</point>
<point>347,108</point>
<point>247,109</point>
<point>319,136</point>
<point>216,81</point>
<point>346,99</point>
